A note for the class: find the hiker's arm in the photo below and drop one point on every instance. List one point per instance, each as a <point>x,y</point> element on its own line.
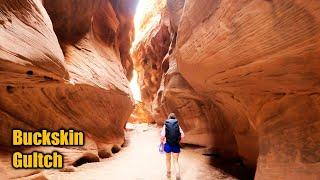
<point>181,132</point>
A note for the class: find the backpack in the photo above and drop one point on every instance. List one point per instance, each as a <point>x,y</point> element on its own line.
<point>173,135</point>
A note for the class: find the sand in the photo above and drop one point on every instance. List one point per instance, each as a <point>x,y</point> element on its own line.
<point>140,160</point>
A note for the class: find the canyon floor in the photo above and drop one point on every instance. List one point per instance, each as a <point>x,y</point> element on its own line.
<point>141,160</point>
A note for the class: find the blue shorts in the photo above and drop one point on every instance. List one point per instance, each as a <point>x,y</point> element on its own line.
<point>171,148</point>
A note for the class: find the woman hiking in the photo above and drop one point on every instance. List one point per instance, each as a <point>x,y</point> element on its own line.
<point>171,134</point>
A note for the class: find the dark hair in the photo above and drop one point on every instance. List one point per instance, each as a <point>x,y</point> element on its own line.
<point>172,116</point>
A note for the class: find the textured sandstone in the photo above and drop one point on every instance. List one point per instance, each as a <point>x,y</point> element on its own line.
<point>244,77</point>
<point>64,65</point>
<point>148,55</point>
<point>258,62</point>
<point>200,119</point>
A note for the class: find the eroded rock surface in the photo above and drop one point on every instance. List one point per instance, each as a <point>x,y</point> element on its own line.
<point>65,65</point>
<point>247,76</point>
<point>166,90</point>
<point>149,53</point>
<point>170,92</point>
<point>258,62</point>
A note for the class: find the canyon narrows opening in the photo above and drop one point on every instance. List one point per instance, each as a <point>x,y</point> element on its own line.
<point>242,78</point>
<point>135,88</point>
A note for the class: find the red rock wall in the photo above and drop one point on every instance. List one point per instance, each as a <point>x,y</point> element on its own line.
<point>165,90</point>
<point>65,65</point>
<point>258,62</point>
<point>200,119</point>
<point>244,77</point>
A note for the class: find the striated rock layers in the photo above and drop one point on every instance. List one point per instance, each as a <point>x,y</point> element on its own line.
<point>65,65</point>
<point>167,91</point>
<point>246,73</point>
<point>258,62</point>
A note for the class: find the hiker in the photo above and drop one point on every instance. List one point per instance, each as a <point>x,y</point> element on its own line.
<point>171,134</point>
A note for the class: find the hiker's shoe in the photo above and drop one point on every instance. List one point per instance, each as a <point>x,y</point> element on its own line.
<point>168,174</point>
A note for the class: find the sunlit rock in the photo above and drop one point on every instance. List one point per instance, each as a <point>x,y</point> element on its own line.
<point>141,114</point>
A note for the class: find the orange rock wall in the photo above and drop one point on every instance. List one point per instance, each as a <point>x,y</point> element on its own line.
<point>258,62</point>
<point>65,65</point>
<point>244,77</point>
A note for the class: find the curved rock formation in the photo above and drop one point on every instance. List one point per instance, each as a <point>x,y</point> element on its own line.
<point>242,77</point>
<point>64,65</point>
<point>201,120</point>
<point>165,90</point>
<point>247,78</point>
<point>258,62</point>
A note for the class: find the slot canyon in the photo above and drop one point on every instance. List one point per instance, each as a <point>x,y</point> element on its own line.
<point>242,77</point>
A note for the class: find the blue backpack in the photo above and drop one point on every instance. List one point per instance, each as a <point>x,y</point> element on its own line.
<point>173,135</point>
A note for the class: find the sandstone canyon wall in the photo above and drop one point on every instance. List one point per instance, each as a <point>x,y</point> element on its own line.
<point>258,62</point>
<point>245,76</point>
<point>65,64</point>
<point>148,55</point>
<point>167,91</point>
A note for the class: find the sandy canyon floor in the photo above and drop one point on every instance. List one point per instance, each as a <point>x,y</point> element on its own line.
<point>141,160</point>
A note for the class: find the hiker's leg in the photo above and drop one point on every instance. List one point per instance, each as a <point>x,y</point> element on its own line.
<point>168,162</point>
<point>176,164</point>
